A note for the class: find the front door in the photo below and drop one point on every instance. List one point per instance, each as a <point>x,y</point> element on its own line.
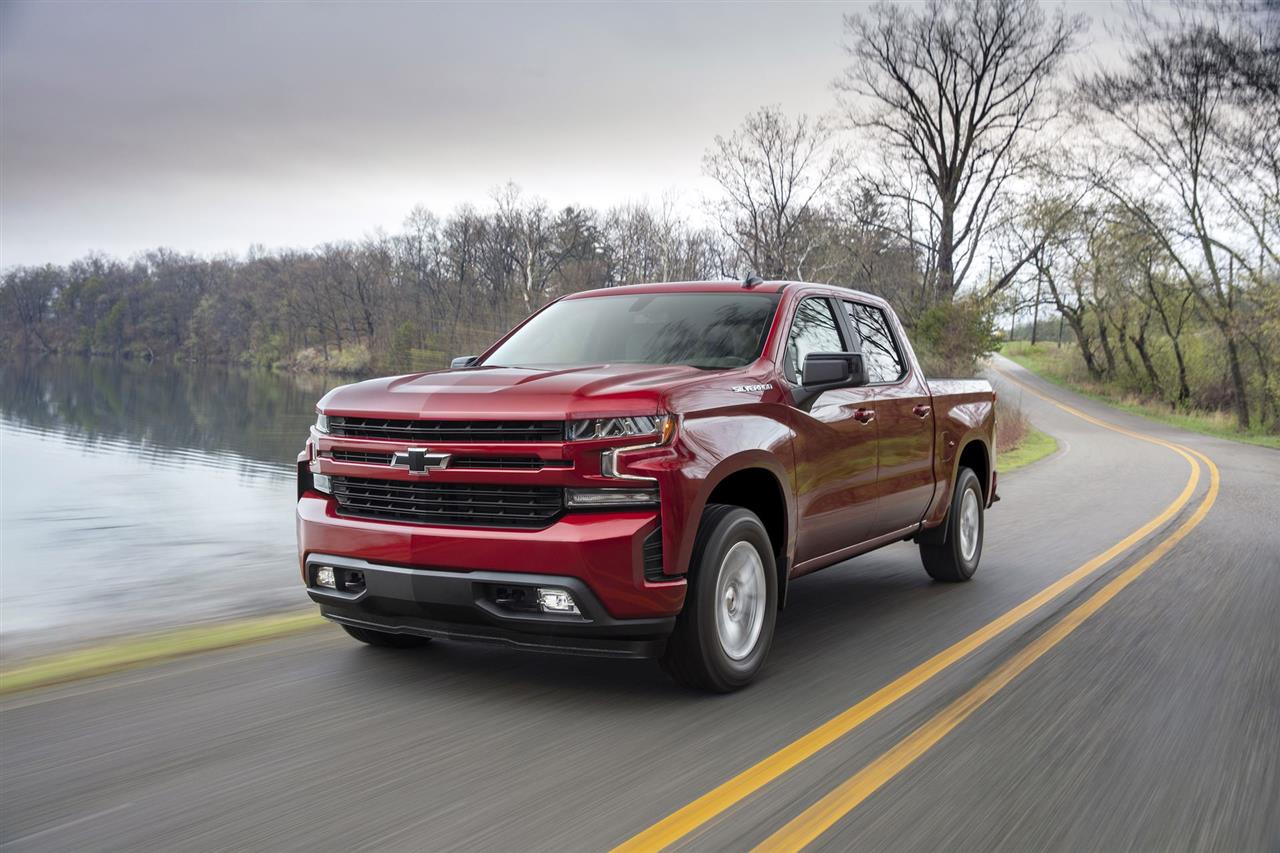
<point>835,443</point>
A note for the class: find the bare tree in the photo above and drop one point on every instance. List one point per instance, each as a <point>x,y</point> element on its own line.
<point>956,91</point>
<point>773,172</point>
<point>1179,103</point>
<point>537,242</point>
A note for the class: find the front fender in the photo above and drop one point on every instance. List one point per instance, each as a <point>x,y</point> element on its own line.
<point>711,449</point>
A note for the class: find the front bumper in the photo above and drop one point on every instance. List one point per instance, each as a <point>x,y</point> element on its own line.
<point>469,606</point>
<point>433,580</point>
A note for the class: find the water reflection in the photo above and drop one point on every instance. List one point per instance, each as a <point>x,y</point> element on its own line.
<point>137,496</point>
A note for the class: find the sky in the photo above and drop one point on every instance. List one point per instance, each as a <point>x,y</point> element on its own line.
<point>212,127</point>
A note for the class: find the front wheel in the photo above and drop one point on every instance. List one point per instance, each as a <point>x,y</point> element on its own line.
<point>724,632</point>
<point>956,558</point>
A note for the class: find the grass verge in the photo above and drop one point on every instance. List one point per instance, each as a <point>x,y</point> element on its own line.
<point>1035,445</point>
<point>1057,366</point>
<point>150,648</point>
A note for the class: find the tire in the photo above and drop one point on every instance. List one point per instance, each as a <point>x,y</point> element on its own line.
<point>956,558</point>
<point>722,636</point>
<point>384,639</point>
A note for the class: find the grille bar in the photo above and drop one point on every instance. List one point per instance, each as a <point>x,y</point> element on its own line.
<point>508,463</point>
<point>447,431</point>
<point>449,503</point>
<point>652,553</point>
<point>367,457</point>
<point>491,463</point>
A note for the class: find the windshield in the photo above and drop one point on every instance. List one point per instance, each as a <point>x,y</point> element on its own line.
<point>707,330</point>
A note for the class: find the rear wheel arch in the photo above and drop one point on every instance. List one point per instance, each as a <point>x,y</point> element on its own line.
<point>977,458</point>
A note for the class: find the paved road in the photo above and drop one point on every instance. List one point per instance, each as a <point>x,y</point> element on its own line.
<point>1155,725</point>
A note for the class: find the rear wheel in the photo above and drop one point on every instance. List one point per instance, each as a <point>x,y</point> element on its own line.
<point>956,558</point>
<point>385,639</point>
<point>724,632</point>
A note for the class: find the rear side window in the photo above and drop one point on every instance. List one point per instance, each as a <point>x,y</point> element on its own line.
<point>814,329</point>
<point>879,350</point>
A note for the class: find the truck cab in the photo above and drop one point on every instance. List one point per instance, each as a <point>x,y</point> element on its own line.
<point>641,471</point>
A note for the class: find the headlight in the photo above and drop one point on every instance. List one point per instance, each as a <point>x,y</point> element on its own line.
<point>659,427</point>
<point>608,498</point>
<point>322,422</point>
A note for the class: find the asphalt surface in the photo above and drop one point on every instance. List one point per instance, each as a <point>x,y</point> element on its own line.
<point>1153,726</point>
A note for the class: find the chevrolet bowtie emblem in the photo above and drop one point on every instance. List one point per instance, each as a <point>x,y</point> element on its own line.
<point>420,460</point>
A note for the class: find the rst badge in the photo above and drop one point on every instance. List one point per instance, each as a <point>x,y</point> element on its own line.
<point>420,460</point>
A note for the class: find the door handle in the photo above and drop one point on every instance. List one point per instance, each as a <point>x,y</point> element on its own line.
<point>921,411</point>
<point>864,416</point>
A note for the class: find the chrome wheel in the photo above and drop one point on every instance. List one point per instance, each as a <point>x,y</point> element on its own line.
<point>970,525</point>
<point>740,600</point>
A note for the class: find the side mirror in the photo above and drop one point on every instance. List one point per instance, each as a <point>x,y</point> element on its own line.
<point>463,361</point>
<point>827,371</point>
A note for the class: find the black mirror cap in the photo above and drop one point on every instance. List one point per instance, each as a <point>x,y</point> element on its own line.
<point>463,361</point>
<point>828,370</point>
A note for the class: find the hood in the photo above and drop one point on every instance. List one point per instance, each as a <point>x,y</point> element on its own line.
<point>484,393</point>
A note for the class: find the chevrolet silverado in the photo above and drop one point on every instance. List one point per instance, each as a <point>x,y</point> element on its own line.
<point>641,471</point>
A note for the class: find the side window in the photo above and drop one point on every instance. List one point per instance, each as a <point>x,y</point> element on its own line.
<point>884,362</point>
<point>814,329</point>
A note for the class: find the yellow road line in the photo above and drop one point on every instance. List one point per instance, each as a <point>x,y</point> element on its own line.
<point>685,820</point>
<point>820,816</point>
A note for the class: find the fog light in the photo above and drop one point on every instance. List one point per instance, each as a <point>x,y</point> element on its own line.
<point>552,600</point>
<point>322,483</point>
<point>325,578</point>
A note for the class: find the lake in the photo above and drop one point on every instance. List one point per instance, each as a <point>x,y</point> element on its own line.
<point>141,496</point>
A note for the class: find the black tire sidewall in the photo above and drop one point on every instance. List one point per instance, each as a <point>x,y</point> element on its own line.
<point>966,480</point>
<point>738,525</point>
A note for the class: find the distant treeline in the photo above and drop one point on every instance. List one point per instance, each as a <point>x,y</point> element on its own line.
<point>968,177</point>
<point>406,301</point>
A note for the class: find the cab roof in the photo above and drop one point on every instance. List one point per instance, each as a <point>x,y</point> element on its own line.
<point>727,286</point>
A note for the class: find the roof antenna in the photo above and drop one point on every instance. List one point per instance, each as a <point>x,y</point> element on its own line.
<point>751,281</point>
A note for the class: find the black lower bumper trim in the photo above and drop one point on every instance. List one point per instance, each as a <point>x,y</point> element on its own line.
<point>585,646</point>
<point>472,606</point>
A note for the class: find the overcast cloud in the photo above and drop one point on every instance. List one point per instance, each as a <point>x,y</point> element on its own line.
<point>210,127</point>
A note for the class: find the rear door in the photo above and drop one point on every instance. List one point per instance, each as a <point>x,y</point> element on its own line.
<point>904,411</point>
<point>835,441</point>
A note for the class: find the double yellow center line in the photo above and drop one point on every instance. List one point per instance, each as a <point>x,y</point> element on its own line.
<point>825,812</point>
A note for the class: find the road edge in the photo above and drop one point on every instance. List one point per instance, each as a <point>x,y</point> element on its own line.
<point>1188,426</point>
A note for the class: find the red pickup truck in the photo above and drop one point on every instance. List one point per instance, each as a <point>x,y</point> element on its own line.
<point>641,472</point>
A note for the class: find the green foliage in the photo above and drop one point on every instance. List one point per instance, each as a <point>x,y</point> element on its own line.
<point>950,338</point>
<point>109,334</point>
